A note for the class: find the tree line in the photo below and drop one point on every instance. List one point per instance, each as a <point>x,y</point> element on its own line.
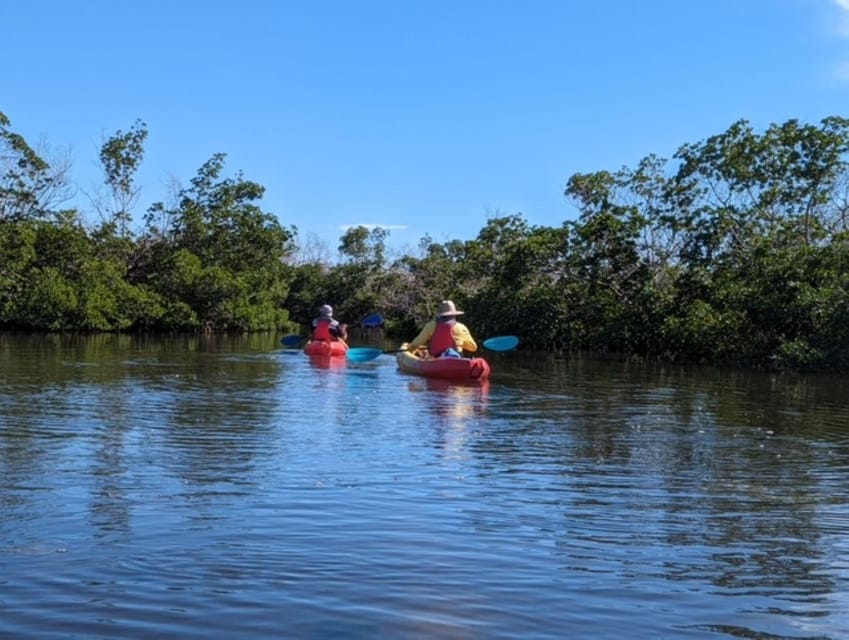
<point>732,251</point>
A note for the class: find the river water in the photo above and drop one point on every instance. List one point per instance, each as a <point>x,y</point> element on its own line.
<point>229,488</point>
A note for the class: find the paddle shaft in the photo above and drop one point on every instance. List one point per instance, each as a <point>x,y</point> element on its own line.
<point>497,343</point>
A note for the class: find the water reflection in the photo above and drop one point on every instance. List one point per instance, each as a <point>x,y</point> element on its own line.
<point>638,445</point>
<point>561,495</point>
<point>458,409</point>
<point>327,362</point>
<point>214,419</point>
<point>451,399</point>
<point>110,465</point>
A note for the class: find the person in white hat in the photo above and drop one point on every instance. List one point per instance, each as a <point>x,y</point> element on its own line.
<point>444,335</point>
<point>326,327</point>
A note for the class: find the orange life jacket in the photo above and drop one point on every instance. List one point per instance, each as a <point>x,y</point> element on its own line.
<point>322,330</point>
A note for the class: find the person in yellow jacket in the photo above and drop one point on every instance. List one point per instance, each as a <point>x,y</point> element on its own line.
<point>444,335</point>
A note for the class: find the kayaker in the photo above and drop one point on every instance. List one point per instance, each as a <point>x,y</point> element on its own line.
<point>326,327</point>
<point>444,336</point>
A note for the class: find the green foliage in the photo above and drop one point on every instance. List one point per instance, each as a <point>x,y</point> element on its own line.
<point>121,155</point>
<point>364,247</point>
<point>798,354</point>
<point>24,176</point>
<point>107,302</point>
<point>17,255</point>
<point>422,282</point>
<point>736,250</point>
<point>699,332</point>
<point>308,291</point>
<point>222,258</point>
<point>361,284</point>
<point>49,302</point>
<point>178,316</point>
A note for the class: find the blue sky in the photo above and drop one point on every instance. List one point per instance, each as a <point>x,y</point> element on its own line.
<point>423,117</point>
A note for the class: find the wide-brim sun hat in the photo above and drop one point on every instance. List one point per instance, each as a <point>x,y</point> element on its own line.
<point>325,311</point>
<point>447,309</point>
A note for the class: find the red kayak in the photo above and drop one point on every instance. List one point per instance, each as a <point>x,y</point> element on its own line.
<point>444,368</point>
<point>326,348</point>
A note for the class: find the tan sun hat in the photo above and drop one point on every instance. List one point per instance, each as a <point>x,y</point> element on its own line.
<point>447,308</point>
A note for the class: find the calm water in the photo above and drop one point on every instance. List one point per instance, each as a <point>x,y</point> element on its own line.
<point>227,489</point>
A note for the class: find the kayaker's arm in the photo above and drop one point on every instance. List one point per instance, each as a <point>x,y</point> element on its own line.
<point>463,338</point>
<point>339,330</point>
<point>423,338</point>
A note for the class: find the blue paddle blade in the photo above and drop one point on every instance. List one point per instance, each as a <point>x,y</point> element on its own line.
<point>363,354</point>
<point>501,343</point>
<point>372,321</point>
<point>292,341</point>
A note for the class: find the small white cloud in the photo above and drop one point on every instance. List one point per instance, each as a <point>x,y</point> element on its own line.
<point>371,226</point>
<point>843,4</point>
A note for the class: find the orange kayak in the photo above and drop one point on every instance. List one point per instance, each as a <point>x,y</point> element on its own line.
<point>444,368</point>
<point>326,348</point>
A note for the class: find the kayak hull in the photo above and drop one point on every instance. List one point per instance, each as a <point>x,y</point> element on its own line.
<point>324,348</point>
<point>444,368</point>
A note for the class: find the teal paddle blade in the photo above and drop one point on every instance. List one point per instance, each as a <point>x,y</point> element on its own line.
<point>363,354</point>
<point>501,343</point>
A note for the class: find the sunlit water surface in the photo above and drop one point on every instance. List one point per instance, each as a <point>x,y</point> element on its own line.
<point>228,488</point>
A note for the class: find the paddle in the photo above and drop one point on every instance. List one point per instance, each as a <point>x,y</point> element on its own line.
<point>364,354</point>
<point>501,343</point>
<point>292,340</point>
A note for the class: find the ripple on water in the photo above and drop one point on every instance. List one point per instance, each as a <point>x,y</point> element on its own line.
<point>220,493</point>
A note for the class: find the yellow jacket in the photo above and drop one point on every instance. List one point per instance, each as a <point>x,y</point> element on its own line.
<point>460,332</point>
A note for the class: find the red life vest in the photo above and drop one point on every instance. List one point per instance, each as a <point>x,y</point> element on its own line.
<point>442,338</point>
<point>322,330</point>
